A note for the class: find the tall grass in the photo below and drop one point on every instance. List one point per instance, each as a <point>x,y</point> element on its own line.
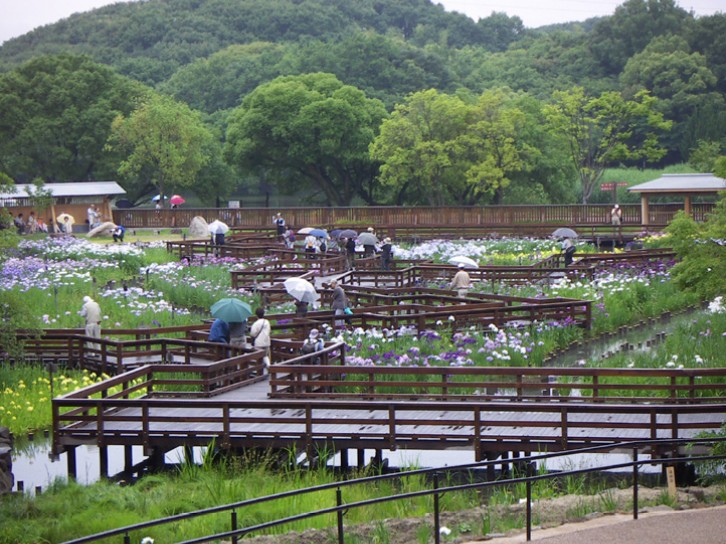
<point>47,518</point>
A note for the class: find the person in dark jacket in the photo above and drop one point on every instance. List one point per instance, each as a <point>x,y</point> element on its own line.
<point>350,252</point>
<point>118,233</point>
<point>386,254</point>
<point>301,308</point>
<point>219,332</point>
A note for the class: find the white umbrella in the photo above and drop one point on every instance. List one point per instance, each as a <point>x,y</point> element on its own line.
<point>217,227</point>
<point>62,218</point>
<point>466,261</point>
<point>301,289</point>
<point>564,232</point>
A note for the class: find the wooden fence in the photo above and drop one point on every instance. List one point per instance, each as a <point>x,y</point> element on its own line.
<point>395,220</point>
<point>499,384</point>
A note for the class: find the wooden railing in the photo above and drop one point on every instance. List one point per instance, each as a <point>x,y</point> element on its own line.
<point>310,423</point>
<point>393,218</point>
<point>118,356</point>
<point>499,384</point>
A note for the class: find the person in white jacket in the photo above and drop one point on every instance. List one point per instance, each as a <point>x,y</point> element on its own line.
<point>260,333</point>
<point>91,311</point>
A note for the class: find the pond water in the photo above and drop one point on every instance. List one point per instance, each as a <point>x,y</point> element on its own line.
<point>33,466</point>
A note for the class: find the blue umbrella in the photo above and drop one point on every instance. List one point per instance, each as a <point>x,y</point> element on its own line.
<point>231,310</point>
<point>347,233</point>
<point>319,233</point>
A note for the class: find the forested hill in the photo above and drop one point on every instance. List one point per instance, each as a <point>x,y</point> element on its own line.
<point>149,40</point>
<point>76,96</point>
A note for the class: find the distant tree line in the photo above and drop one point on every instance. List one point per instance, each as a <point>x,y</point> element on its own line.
<point>369,101</point>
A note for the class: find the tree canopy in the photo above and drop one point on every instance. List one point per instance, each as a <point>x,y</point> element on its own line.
<point>607,128</point>
<point>55,118</point>
<point>62,85</point>
<point>312,129</point>
<point>162,143</point>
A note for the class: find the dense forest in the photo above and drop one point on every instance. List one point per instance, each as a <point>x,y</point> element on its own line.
<point>360,101</point>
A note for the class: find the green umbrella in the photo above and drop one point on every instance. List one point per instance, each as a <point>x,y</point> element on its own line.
<point>231,310</point>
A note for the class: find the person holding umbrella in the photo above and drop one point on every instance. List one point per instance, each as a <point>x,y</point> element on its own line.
<point>568,247</point>
<point>350,252</point>
<point>217,230</point>
<point>229,311</point>
<point>304,294</point>
<point>219,332</point>
<point>301,308</point>
<point>369,240</point>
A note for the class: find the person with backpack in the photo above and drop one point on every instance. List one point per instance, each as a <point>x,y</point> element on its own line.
<point>312,344</point>
<point>568,248</point>
<point>260,333</point>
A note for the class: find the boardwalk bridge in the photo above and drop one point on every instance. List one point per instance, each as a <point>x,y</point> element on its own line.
<point>170,388</point>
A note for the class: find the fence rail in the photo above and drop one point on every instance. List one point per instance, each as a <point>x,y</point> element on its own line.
<point>498,384</point>
<point>397,219</point>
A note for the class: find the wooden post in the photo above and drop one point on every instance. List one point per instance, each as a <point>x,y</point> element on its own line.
<point>103,461</point>
<point>644,211</point>
<point>128,459</point>
<point>71,463</point>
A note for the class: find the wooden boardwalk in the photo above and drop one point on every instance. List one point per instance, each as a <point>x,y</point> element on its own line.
<point>172,392</point>
<point>135,409</point>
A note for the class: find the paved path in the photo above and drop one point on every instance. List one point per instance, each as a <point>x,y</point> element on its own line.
<point>661,526</point>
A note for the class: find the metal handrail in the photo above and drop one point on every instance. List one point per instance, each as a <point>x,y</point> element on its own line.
<point>341,508</point>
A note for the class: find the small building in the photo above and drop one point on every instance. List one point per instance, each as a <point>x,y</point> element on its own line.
<point>72,198</point>
<point>684,186</point>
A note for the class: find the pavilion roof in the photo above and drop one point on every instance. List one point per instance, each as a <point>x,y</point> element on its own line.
<point>682,183</point>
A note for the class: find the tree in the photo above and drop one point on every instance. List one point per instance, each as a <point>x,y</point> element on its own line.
<point>719,167</point>
<point>605,129</point>
<point>701,250</point>
<point>309,128</point>
<point>497,150</point>
<point>703,156</point>
<point>633,25</point>
<point>499,30</point>
<point>679,79</point>
<point>55,118</point>
<point>165,143</point>
<point>440,149</point>
<point>41,198</point>
<point>417,148</point>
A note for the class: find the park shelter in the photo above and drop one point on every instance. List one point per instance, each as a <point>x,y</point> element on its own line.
<point>73,198</point>
<point>679,185</point>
